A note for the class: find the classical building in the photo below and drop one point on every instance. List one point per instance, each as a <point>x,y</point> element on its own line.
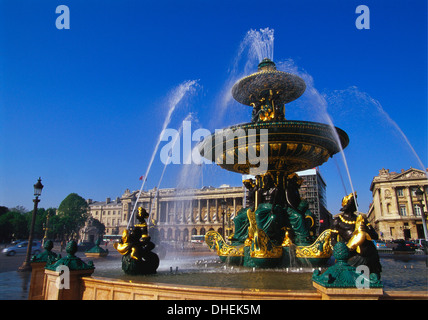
<point>395,211</point>
<point>179,214</point>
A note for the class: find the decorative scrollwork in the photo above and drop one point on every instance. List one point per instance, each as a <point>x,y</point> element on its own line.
<point>216,242</point>
<point>321,248</point>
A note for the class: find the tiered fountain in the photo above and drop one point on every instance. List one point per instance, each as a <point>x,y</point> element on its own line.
<point>277,227</point>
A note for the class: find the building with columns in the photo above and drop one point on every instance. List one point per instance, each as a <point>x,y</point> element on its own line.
<point>395,212</point>
<point>179,214</point>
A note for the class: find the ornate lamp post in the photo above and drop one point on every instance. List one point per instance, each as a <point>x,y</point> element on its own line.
<point>26,266</point>
<point>223,212</point>
<point>46,227</point>
<point>420,196</point>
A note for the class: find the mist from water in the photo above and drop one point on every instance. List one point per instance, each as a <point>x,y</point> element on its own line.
<point>256,45</point>
<point>175,97</point>
<point>317,103</point>
<point>177,137</point>
<point>367,103</point>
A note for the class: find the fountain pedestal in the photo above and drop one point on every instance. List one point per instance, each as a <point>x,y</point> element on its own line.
<point>348,293</point>
<point>343,281</point>
<point>38,264</point>
<point>63,276</point>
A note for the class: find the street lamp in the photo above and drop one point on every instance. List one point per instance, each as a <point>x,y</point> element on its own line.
<point>46,226</point>
<point>420,196</point>
<point>26,266</point>
<point>223,208</point>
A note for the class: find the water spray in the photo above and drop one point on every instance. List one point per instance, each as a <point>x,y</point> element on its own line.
<point>175,99</point>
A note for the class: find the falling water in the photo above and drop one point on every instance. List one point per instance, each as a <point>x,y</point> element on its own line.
<point>175,97</point>
<point>317,100</point>
<point>189,117</point>
<point>366,97</point>
<point>174,141</point>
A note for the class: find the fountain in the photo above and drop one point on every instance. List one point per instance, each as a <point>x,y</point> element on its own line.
<point>277,228</point>
<point>275,231</point>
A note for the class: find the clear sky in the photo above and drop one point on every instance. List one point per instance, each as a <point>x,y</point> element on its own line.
<point>83,107</point>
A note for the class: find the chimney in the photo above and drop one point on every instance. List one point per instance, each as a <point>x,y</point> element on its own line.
<point>108,200</point>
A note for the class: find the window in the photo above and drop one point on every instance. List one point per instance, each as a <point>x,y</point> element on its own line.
<point>403,211</point>
<point>400,192</point>
<point>388,208</point>
<point>392,232</point>
<point>417,210</point>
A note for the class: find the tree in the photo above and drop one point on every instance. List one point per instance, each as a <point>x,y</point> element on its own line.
<point>13,225</point>
<point>3,210</point>
<point>72,213</point>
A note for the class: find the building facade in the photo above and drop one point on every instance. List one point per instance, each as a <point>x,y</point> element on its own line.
<point>179,214</point>
<point>395,212</point>
<point>313,190</point>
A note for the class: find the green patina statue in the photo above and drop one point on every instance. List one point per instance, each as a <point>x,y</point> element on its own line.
<point>96,251</point>
<point>343,275</point>
<point>71,260</point>
<point>47,254</point>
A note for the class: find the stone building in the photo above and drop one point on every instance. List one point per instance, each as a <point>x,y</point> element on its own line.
<point>179,214</point>
<point>395,211</point>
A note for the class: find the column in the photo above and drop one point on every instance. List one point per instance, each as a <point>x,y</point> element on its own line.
<point>412,209</point>
<point>198,217</point>
<point>208,211</point>
<point>183,215</point>
<point>409,201</point>
<point>397,207</point>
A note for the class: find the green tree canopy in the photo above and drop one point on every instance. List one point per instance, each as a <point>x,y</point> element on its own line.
<point>13,225</point>
<point>72,213</point>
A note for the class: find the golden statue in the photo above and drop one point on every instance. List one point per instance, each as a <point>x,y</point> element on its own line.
<point>136,247</point>
<point>357,234</point>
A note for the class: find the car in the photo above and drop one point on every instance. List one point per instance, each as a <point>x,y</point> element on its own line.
<point>405,246</point>
<point>421,243</point>
<point>21,247</point>
<point>379,244</point>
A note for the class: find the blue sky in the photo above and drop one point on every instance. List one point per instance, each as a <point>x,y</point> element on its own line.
<point>83,108</point>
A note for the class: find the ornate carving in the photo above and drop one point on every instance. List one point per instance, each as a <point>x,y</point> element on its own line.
<point>321,248</point>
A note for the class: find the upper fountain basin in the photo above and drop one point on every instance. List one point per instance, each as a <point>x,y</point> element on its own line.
<point>282,86</point>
